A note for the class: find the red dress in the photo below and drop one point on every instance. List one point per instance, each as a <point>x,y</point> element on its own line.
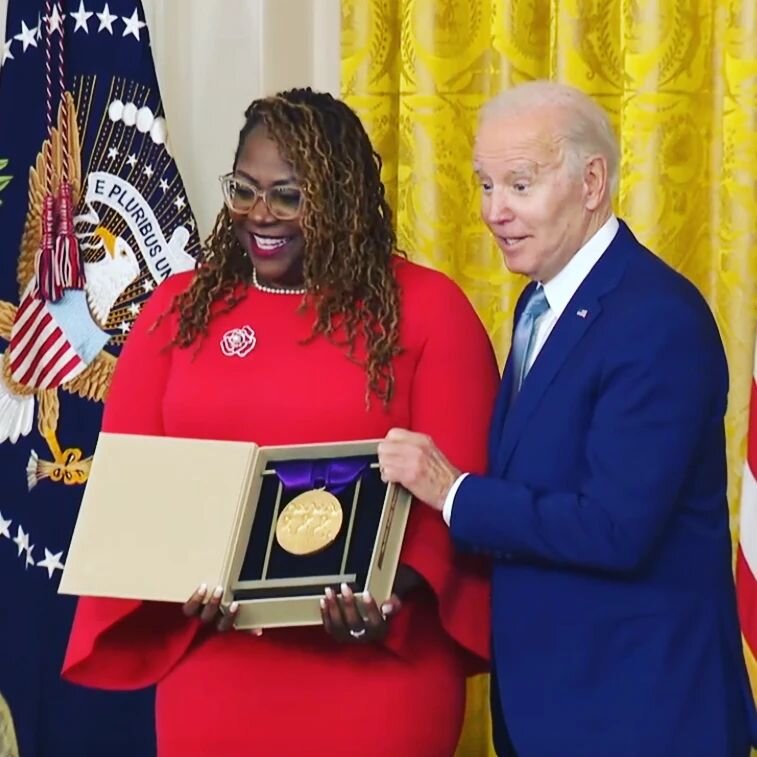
<point>296,691</point>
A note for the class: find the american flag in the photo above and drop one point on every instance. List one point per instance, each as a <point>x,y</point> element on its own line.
<point>746,560</point>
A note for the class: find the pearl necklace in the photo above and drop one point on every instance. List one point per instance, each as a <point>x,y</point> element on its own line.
<point>274,290</point>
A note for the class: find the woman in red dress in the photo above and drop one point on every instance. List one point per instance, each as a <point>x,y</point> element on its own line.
<point>341,338</point>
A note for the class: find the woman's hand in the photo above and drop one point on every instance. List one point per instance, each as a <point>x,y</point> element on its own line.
<point>343,619</point>
<point>211,611</point>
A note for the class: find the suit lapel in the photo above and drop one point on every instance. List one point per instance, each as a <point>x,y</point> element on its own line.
<point>502,404</point>
<point>581,312</point>
<point>501,407</point>
<point>568,331</point>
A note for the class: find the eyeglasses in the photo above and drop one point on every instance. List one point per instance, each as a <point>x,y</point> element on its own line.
<point>283,201</point>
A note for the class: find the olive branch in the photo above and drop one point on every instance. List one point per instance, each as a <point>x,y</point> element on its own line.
<point>4,179</point>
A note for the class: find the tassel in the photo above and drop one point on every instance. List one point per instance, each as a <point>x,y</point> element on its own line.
<point>68,266</point>
<point>45,285</point>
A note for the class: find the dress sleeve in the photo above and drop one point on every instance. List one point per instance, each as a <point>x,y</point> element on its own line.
<point>129,644</point>
<point>453,392</point>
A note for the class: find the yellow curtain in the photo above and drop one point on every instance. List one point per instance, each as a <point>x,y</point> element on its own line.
<point>679,79</point>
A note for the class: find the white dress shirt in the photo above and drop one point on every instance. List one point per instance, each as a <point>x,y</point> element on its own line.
<point>558,291</point>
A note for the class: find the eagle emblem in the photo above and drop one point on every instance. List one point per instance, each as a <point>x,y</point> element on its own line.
<point>59,345</point>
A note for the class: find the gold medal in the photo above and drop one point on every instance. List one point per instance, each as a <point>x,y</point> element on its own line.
<point>309,523</point>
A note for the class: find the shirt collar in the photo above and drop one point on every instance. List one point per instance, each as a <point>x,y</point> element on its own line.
<point>562,287</point>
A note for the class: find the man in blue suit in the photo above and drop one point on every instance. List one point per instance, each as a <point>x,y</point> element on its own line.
<point>604,509</point>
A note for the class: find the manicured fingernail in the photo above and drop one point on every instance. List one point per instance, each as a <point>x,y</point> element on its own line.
<point>386,608</point>
<point>346,591</point>
<point>329,592</point>
<point>201,589</point>
<point>366,596</point>
<point>234,606</point>
<point>257,631</point>
<point>218,592</point>
<point>323,603</point>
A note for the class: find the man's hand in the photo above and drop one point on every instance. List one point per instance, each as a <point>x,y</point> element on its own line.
<point>414,461</point>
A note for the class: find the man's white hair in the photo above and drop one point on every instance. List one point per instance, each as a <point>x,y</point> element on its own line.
<point>585,125</point>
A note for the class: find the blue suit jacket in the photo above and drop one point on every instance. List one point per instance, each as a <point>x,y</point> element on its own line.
<point>615,631</point>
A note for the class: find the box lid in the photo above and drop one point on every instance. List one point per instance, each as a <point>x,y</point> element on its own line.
<point>158,517</point>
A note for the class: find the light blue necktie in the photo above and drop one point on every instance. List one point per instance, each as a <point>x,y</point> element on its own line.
<point>525,335</point>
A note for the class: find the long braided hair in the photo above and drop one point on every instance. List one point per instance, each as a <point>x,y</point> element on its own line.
<point>346,224</point>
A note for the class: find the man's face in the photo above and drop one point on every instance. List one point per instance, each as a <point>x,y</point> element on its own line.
<point>532,202</point>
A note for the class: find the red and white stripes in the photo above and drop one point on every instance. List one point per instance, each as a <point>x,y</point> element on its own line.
<point>746,560</point>
<point>41,355</point>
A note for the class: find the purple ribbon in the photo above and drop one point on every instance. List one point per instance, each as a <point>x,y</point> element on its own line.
<point>333,475</point>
